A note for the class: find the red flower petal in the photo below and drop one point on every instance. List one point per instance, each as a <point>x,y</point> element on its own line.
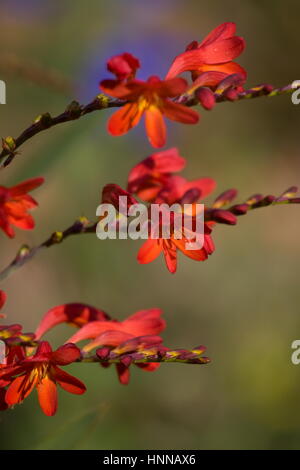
<point>2,298</point>
<point>217,48</point>
<point>155,127</point>
<point>130,90</point>
<point>47,395</point>
<point>211,78</point>
<point>25,187</point>
<point>20,388</point>
<point>25,223</point>
<point>219,52</point>
<point>4,225</point>
<point>65,354</point>
<point>123,373</point>
<point>149,251</point>
<point>115,88</point>
<point>144,314</point>
<point>111,194</point>
<point>205,185</point>
<point>9,371</point>
<point>197,255</point>
<point>93,329</point>
<point>150,367</point>
<point>15,208</point>
<point>68,382</point>
<point>173,87</point>
<point>179,112</point>
<point>108,338</point>
<point>75,314</point>
<point>170,255</point>
<point>229,68</point>
<point>43,349</point>
<point>209,245</point>
<point>28,201</point>
<point>167,161</point>
<point>223,31</point>
<point>147,177</point>
<point>125,119</point>
<point>145,322</point>
<point>177,187</point>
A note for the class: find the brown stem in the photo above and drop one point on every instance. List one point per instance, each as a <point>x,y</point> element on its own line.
<point>83,225</point>
<point>46,121</point>
<point>76,111</point>
<point>26,253</point>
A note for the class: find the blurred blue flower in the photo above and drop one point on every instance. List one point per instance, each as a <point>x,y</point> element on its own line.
<point>155,46</point>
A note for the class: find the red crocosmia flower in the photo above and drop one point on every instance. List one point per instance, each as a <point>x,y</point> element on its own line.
<point>124,66</point>
<point>42,371</point>
<point>75,314</point>
<point>141,323</point>
<point>178,190</point>
<point>153,181</point>
<point>15,204</point>
<point>112,334</point>
<point>152,98</point>
<point>148,177</point>
<point>208,79</point>
<point>152,248</point>
<point>215,53</point>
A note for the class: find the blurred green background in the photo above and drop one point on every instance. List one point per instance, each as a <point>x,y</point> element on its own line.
<point>243,303</point>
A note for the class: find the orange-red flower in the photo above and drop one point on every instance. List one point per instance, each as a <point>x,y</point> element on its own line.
<point>141,323</point>
<point>147,178</point>
<point>176,190</point>
<point>95,325</point>
<point>215,53</point>
<point>15,204</point>
<point>75,314</point>
<point>41,371</point>
<point>152,248</point>
<point>152,98</point>
<point>153,181</point>
<point>141,327</point>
